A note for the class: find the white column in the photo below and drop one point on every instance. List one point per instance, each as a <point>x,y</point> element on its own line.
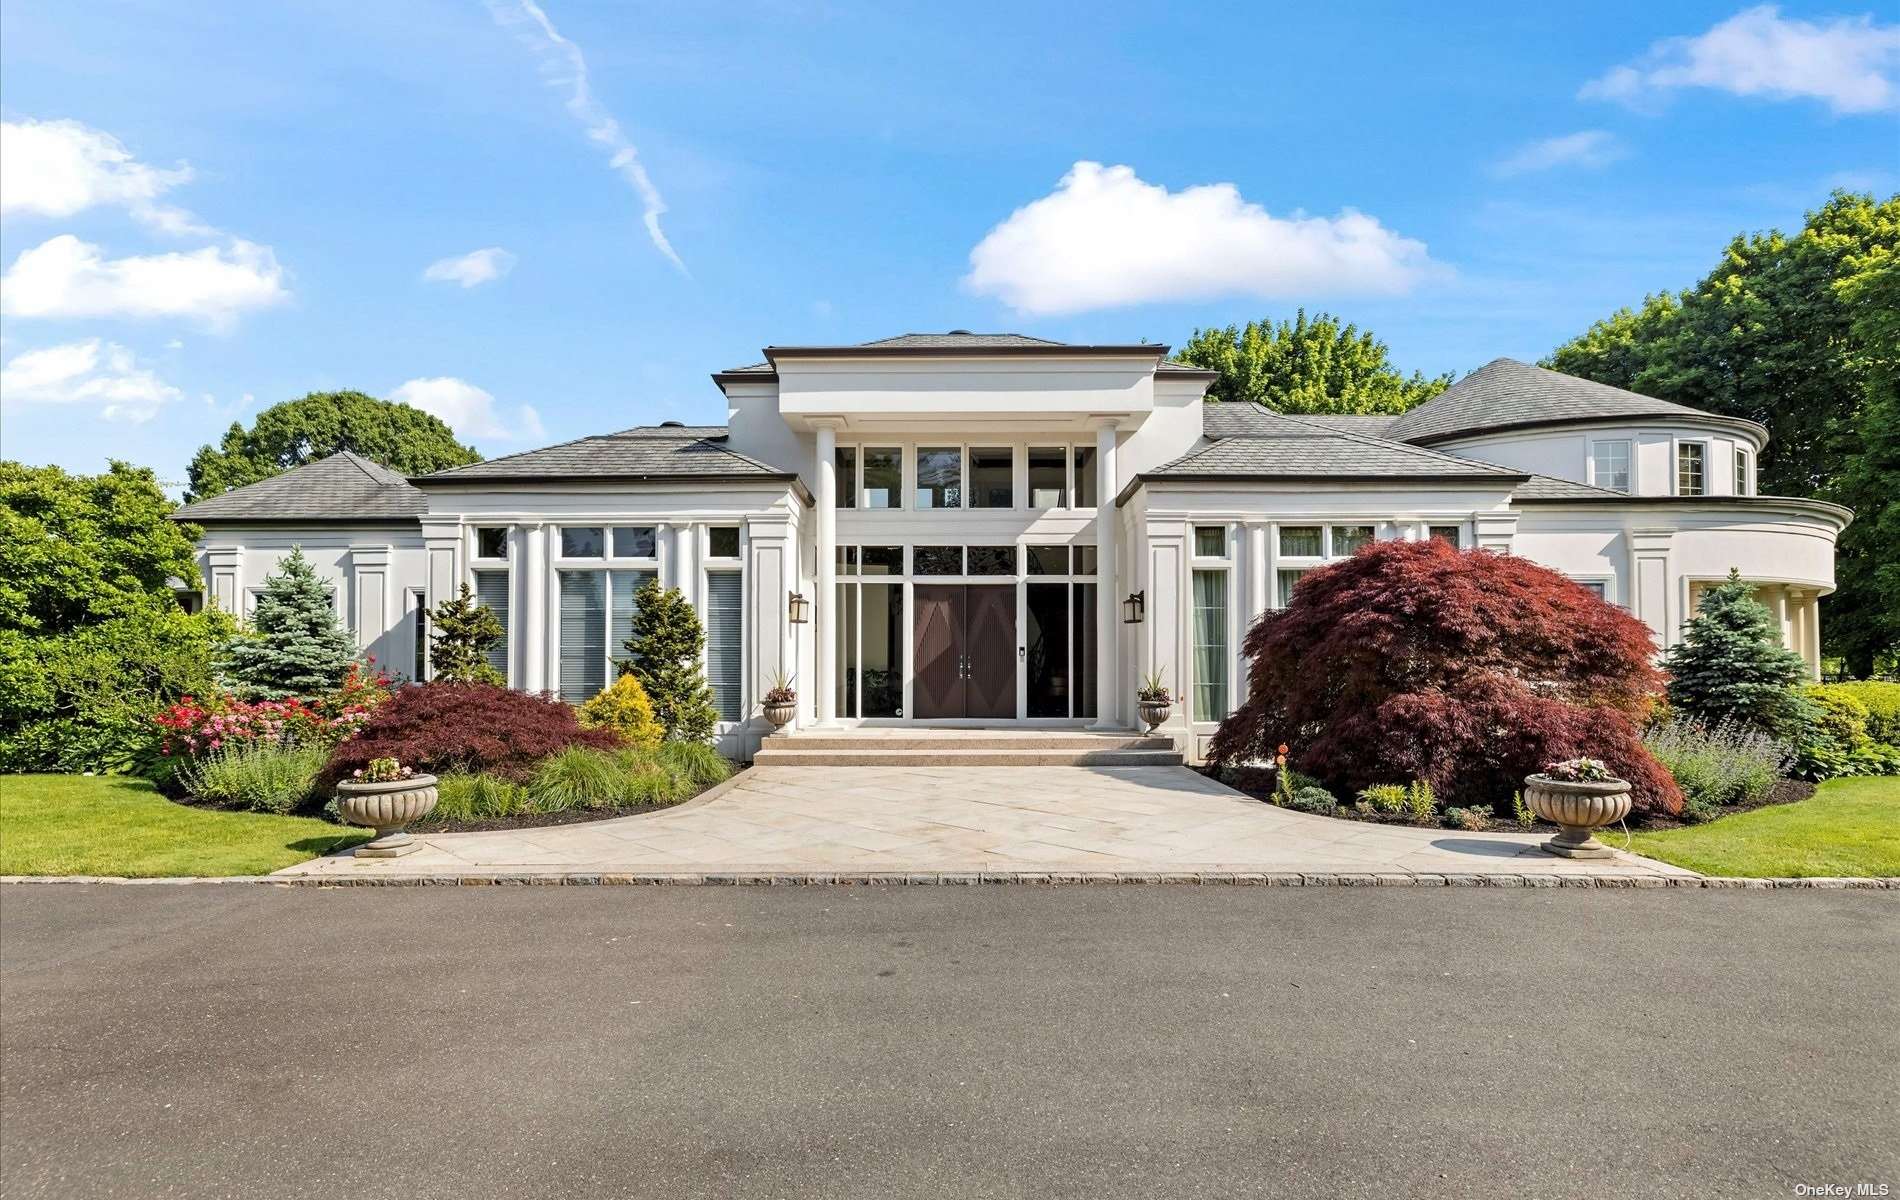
<point>1109,590</point>
<point>1812,649</point>
<point>535,676</point>
<point>825,603</point>
<point>686,562</point>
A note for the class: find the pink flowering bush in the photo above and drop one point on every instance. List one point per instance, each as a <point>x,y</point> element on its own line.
<point>192,727</point>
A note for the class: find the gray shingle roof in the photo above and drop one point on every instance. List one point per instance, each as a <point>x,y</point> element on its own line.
<point>1324,455</point>
<point>342,487</point>
<point>647,452</point>
<point>1251,420</point>
<point>960,337</point>
<point>1506,394</point>
<point>1549,487</point>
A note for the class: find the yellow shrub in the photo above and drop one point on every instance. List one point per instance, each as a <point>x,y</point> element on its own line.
<point>624,709</point>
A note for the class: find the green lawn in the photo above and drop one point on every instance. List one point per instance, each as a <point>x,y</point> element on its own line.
<point>111,825</point>
<point>1848,827</point>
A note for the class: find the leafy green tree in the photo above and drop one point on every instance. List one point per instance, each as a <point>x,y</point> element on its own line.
<point>663,653</point>
<point>79,549</point>
<point>404,439</point>
<point>461,633</point>
<point>92,641</point>
<point>1863,623</point>
<point>1306,366</point>
<point>1730,664</point>
<point>294,646</point>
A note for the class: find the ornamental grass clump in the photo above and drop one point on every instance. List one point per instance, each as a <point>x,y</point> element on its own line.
<point>476,798</point>
<point>1466,669</point>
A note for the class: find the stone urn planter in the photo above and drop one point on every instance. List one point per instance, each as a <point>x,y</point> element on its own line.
<point>388,808</point>
<point>1580,807</point>
<point>1154,713</point>
<point>781,713</point>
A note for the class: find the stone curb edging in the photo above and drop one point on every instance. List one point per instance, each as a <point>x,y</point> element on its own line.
<point>1049,878</point>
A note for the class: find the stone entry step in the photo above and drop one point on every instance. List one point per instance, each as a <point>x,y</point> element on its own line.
<point>967,747</point>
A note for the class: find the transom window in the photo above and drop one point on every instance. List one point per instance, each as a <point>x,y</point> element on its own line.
<point>1610,465</point>
<point>1306,547</point>
<point>883,484</point>
<point>583,541</point>
<point>1210,541</point>
<point>992,477</point>
<point>1691,468</point>
<point>491,541</point>
<point>1453,534</point>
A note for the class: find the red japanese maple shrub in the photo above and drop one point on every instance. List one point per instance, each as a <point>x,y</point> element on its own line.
<point>473,727</point>
<point>1415,660</point>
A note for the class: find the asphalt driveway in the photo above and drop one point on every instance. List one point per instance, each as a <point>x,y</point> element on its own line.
<point>240,1040</point>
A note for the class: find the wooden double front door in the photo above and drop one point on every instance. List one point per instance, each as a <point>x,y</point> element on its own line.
<point>965,641</point>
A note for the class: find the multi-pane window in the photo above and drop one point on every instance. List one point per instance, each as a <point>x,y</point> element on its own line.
<point>491,592</point>
<point>594,601</point>
<point>1610,465</point>
<point>419,618</point>
<point>1048,476</point>
<point>725,642</point>
<point>1085,477</point>
<point>883,477</point>
<point>845,461</point>
<point>1348,538</point>
<point>939,477</point>
<point>1743,484</point>
<point>1210,645</point>
<point>992,477</point>
<point>1691,468</point>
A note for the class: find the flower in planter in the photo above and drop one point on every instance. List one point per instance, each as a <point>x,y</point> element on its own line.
<point>1580,770</point>
<point>382,770</point>
<point>1153,689</point>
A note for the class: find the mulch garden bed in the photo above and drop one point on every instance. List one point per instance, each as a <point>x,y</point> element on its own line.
<point>1785,791</point>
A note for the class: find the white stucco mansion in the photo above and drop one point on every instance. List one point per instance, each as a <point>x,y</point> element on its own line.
<point>983,529</point>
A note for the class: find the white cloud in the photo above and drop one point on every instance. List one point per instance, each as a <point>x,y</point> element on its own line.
<point>1105,238</point>
<point>59,168</point>
<point>468,410</point>
<point>1589,148</point>
<point>1850,63</point>
<point>565,67</point>
<point>472,269</point>
<point>91,372</point>
<point>65,277</point>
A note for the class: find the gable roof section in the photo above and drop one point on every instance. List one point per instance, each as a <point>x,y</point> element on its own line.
<point>1252,420</point>
<point>345,487</point>
<point>1325,455</point>
<point>1507,394</point>
<point>648,452</point>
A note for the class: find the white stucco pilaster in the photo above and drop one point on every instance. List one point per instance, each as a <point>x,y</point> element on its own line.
<point>824,605</point>
<point>771,544</point>
<point>371,595</point>
<point>224,578</point>
<point>1649,589</point>
<point>1109,686</point>
<point>535,637</point>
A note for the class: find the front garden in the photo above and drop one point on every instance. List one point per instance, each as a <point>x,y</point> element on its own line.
<point>1420,685</point>
<point>240,774</point>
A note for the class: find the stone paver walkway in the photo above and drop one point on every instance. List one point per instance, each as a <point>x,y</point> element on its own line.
<point>803,820</point>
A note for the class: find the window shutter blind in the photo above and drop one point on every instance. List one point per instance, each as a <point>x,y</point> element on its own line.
<point>724,641</point>
<point>583,634</point>
<point>491,592</point>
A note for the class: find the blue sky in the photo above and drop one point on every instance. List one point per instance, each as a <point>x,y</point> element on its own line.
<point>225,206</point>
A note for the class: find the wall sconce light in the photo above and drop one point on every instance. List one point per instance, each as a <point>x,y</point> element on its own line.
<point>1134,608</point>
<point>800,608</point>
